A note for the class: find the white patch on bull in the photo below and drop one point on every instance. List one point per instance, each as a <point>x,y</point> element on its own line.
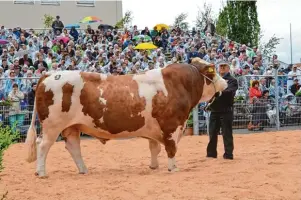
<point>61,120</point>
<point>149,84</point>
<point>103,77</point>
<point>132,95</point>
<point>56,117</point>
<point>102,99</point>
<point>218,84</point>
<point>176,136</point>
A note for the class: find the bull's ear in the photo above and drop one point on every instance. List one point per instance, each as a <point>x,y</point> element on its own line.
<point>210,69</point>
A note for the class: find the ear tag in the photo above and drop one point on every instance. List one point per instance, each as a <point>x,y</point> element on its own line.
<point>210,70</point>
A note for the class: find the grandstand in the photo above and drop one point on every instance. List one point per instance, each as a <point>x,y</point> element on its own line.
<point>27,54</point>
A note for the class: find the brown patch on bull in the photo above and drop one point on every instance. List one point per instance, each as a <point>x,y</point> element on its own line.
<point>43,99</point>
<point>67,94</point>
<point>185,88</point>
<point>123,107</point>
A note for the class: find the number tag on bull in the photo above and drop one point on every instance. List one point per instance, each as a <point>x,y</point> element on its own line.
<point>57,77</point>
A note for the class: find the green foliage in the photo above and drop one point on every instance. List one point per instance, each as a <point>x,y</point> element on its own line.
<point>298,93</point>
<point>180,21</point>
<point>239,98</point>
<point>48,20</point>
<point>190,121</point>
<point>204,15</point>
<point>222,23</point>
<point>269,47</point>
<point>5,103</point>
<point>125,21</point>
<point>238,21</point>
<point>7,137</point>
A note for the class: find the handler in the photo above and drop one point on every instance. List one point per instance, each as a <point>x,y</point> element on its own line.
<point>222,115</point>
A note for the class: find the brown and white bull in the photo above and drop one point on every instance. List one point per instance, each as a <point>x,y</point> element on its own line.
<point>154,105</point>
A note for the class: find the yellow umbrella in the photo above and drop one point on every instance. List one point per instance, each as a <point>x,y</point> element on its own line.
<point>160,26</point>
<point>146,45</point>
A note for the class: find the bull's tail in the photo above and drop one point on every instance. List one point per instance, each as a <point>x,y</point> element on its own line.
<point>31,138</point>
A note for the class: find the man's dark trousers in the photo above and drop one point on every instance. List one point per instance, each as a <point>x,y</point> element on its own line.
<point>221,120</point>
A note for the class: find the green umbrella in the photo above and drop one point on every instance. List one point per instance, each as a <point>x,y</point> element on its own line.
<point>144,37</point>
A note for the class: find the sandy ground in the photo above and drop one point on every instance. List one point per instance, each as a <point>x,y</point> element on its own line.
<point>266,166</point>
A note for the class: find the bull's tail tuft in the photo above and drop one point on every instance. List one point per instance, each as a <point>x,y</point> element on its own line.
<point>31,138</point>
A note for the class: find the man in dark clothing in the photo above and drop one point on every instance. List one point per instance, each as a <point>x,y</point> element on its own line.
<point>192,54</point>
<point>222,115</point>
<point>57,25</point>
<point>209,28</point>
<point>26,60</point>
<point>295,87</point>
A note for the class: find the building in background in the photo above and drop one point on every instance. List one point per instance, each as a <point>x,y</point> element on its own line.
<point>29,13</point>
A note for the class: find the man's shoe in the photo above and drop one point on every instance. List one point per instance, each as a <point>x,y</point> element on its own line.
<point>228,157</point>
<point>211,156</point>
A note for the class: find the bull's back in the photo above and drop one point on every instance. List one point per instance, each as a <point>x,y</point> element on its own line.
<point>110,103</point>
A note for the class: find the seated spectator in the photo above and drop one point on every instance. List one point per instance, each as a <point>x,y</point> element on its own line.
<point>272,89</point>
<point>295,87</point>
<point>259,115</point>
<point>15,96</point>
<point>254,91</point>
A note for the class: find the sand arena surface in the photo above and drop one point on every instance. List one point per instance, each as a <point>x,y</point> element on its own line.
<point>266,166</point>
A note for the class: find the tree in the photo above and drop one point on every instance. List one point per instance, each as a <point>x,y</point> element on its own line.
<point>48,20</point>
<point>180,21</point>
<point>125,21</point>
<point>222,23</point>
<point>238,20</point>
<point>269,48</point>
<point>204,15</point>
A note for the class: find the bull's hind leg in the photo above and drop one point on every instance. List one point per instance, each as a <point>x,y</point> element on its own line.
<point>72,139</point>
<point>43,146</point>
<point>155,149</point>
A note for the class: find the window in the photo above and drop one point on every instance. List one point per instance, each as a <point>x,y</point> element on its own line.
<point>30,2</point>
<point>50,2</point>
<point>86,3</point>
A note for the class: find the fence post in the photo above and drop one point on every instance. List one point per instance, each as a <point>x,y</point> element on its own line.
<point>195,115</point>
<point>277,100</point>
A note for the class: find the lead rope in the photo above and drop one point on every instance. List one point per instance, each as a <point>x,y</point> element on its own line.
<point>208,103</point>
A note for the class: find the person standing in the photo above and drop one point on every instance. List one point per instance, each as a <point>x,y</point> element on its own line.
<point>221,116</point>
<point>57,26</point>
<point>209,28</point>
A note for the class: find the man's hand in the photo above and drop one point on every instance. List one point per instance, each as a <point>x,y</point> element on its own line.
<point>218,94</point>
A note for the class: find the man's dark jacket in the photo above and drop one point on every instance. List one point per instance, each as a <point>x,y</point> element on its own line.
<point>224,103</point>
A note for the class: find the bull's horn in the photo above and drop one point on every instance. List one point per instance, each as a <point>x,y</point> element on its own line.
<point>199,62</point>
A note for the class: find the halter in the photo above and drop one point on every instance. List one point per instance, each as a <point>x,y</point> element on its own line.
<point>212,81</point>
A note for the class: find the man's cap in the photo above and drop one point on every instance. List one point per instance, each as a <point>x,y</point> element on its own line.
<point>223,63</point>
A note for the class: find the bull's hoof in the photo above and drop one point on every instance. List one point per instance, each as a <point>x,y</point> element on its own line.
<point>41,175</point>
<point>154,167</point>
<point>174,169</point>
<point>103,141</point>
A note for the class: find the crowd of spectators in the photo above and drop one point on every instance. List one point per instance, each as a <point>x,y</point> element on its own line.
<point>30,53</point>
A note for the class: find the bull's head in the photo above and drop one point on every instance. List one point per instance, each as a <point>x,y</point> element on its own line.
<point>213,82</point>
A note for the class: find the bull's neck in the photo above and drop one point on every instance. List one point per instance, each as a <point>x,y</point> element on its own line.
<point>197,82</point>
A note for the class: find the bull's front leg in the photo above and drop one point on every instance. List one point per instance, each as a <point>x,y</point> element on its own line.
<point>171,150</point>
